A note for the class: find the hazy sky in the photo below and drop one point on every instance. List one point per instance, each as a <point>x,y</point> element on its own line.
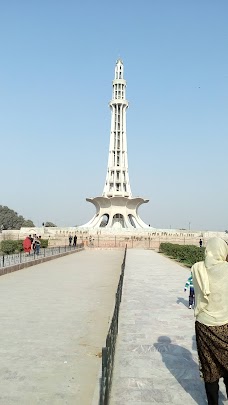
<point>56,70</point>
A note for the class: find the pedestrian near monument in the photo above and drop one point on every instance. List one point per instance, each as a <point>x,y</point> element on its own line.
<point>34,242</point>
<point>210,279</point>
<point>37,245</point>
<point>75,240</point>
<point>27,244</point>
<point>189,284</point>
<point>70,240</point>
<point>200,243</point>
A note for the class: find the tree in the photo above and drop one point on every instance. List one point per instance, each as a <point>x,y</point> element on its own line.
<point>9,219</point>
<point>28,223</point>
<point>50,224</point>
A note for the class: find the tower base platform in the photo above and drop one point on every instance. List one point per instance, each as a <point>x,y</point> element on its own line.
<point>117,213</point>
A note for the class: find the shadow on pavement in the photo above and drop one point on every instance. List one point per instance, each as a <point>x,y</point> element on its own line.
<point>182,366</point>
<point>183,301</point>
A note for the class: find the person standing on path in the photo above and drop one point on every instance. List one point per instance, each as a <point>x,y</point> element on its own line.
<point>70,240</point>
<point>210,280</point>
<point>189,284</point>
<point>200,243</point>
<point>37,245</point>
<point>27,244</point>
<point>75,240</point>
<point>34,242</point>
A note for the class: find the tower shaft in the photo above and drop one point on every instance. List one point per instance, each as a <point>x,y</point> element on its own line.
<point>117,182</point>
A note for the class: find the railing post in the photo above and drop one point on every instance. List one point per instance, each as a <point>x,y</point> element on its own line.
<point>104,358</point>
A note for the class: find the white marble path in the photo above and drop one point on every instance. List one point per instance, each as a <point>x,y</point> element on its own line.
<point>54,319</point>
<point>156,359</point>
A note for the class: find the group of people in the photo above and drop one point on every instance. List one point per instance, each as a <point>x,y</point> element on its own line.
<point>32,243</point>
<point>74,239</point>
<point>208,285</point>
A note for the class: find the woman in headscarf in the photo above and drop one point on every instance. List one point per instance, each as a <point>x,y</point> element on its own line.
<point>27,245</point>
<point>210,279</point>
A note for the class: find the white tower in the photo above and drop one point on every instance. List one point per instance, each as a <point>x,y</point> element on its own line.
<point>117,208</point>
<point>117,179</point>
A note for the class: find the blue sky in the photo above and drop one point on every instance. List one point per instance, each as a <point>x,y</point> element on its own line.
<point>56,72</point>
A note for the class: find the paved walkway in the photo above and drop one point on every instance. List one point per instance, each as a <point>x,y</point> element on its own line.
<point>54,320</point>
<point>156,358</point>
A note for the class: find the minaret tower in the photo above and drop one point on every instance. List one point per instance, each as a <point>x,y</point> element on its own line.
<point>117,208</point>
<point>117,179</point>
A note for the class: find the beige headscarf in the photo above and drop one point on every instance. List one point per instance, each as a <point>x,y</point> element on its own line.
<point>210,280</point>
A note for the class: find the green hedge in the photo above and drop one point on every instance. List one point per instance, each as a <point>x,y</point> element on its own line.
<point>43,243</point>
<point>186,254</point>
<point>9,247</point>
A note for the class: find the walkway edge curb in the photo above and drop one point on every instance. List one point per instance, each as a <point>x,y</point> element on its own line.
<point>21,266</point>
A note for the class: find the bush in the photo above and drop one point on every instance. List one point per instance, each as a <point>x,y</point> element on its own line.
<point>9,247</point>
<point>186,254</point>
<point>43,243</point>
<point>19,245</point>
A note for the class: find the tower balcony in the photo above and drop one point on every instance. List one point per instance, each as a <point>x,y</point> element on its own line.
<point>119,81</point>
<point>116,101</point>
<point>115,193</point>
<point>117,168</point>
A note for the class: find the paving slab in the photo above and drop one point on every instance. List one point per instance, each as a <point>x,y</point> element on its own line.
<point>156,358</point>
<point>54,321</point>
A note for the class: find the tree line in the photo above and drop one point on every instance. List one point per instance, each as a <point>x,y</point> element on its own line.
<point>10,219</point>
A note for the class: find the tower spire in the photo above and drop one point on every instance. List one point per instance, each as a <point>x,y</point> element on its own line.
<point>117,179</point>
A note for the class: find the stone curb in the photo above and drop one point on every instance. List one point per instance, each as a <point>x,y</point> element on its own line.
<point>20,266</point>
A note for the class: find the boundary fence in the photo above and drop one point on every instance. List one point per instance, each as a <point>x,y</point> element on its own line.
<point>21,257</point>
<point>108,352</point>
<point>135,242</point>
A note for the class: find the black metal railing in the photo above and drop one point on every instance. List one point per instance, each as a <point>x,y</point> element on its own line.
<point>21,257</point>
<point>108,352</point>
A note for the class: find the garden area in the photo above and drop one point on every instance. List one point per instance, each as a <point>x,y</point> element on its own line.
<point>185,254</point>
